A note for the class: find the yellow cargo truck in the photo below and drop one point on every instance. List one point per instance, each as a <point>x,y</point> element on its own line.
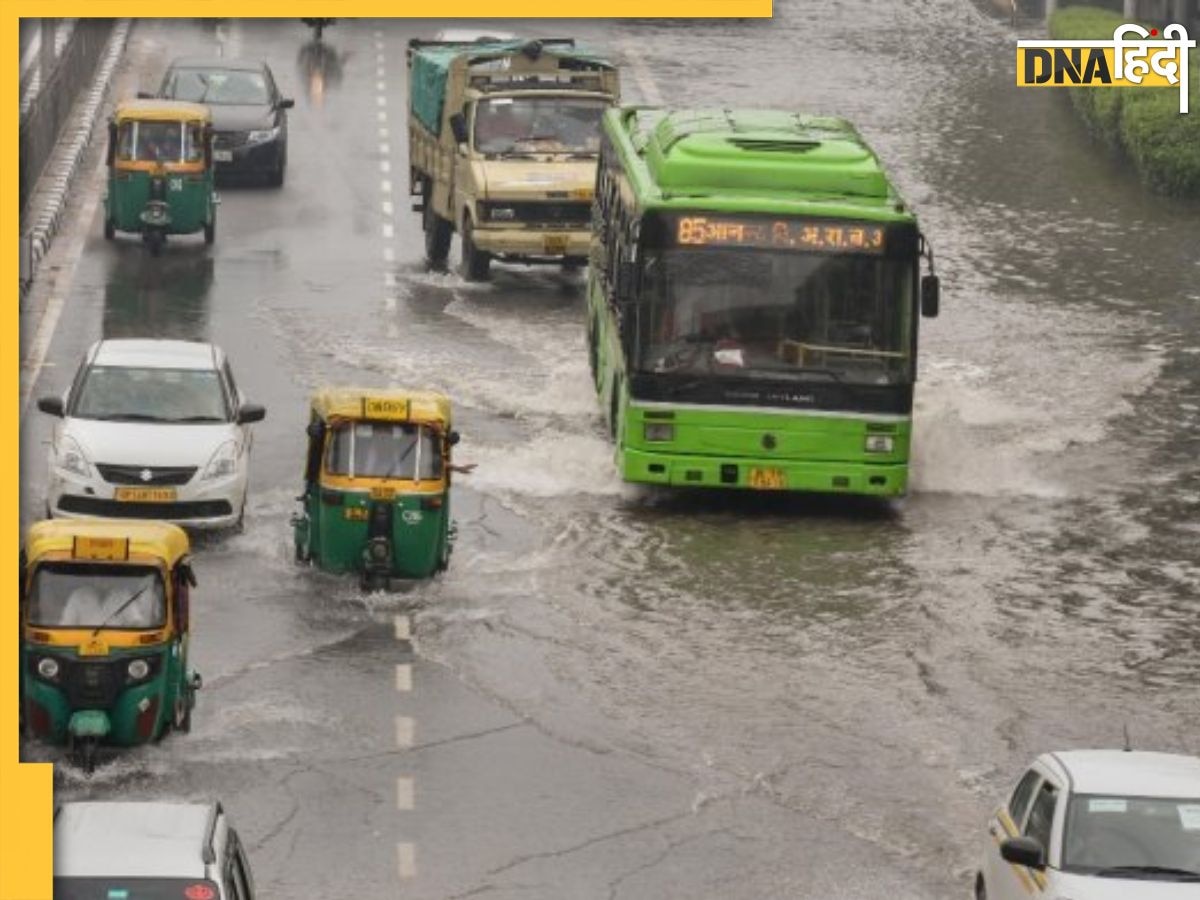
<point>503,139</point>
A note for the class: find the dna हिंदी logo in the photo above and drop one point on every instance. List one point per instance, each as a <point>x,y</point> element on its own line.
<point>1134,57</point>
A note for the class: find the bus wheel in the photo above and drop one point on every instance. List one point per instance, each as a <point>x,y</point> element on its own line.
<point>476,263</point>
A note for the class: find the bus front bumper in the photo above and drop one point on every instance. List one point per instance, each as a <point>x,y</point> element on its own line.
<point>882,479</point>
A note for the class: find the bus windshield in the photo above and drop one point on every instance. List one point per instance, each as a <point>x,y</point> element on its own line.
<point>770,314</point>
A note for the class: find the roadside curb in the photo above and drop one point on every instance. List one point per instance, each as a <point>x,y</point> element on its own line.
<point>50,194</point>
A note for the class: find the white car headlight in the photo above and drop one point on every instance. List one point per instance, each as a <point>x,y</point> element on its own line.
<point>223,462</point>
<point>69,457</point>
<point>263,135</point>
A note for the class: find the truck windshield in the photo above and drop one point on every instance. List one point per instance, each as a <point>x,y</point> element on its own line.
<point>507,126</point>
<point>384,450</point>
<point>776,314</point>
<point>77,595</point>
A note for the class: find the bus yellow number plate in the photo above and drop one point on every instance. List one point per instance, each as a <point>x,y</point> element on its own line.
<point>94,647</point>
<point>101,548</point>
<point>145,495</point>
<point>768,479</point>
<point>383,493</point>
<point>555,243</point>
<point>355,513</point>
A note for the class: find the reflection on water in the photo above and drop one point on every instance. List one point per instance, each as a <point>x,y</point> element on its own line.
<point>320,66</point>
<point>165,297</point>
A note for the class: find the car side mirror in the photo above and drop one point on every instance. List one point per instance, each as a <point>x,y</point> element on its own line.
<point>458,127</point>
<point>314,429</point>
<point>250,412</point>
<point>185,569</point>
<point>286,103</point>
<point>51,405</point>
<point>1023,851</point>
<point>930,296</point>
<point>453,438</point>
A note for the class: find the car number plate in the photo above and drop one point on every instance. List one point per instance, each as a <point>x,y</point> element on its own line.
<point>768,479</point>
<point>145,495</point>
<point>555,243</point>
<point>223,155</point>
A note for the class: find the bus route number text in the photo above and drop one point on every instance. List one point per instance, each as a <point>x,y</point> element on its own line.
<point>701,231</point>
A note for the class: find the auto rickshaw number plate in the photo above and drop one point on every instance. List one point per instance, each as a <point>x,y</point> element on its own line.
<point>555,243</point>
<point>356,513</point>
<point>94,647</point>
<point>145,495</point>
<point>383,493</point>
<point>115,548</point>
<point>768,479</point>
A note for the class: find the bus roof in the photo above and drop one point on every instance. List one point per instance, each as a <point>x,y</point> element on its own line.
<point>390,403</point>
<point>752,160</point>
<point>161,111</point>
<point>149,538</point>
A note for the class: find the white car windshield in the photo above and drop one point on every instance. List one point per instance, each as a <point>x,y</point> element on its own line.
<point>1133,837</point>
<point>118,393</point>
<point>88,596</point>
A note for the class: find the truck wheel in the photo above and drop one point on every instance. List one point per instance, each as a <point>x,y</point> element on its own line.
<point>476,263</point>
<point>437,236</point>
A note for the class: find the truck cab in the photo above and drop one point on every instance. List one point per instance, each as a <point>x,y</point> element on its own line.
<point>504,139</point>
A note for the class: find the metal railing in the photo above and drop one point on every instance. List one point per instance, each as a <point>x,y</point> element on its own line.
<point>50,108</point>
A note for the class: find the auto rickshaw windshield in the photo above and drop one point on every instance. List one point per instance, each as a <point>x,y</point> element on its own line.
<point>75,595</point>
<point>384,450</point>
<point>168,142</point>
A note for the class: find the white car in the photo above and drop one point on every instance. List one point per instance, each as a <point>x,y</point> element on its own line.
<point>151,429</point>
<point>1097,825</point>
<point>148,849</point>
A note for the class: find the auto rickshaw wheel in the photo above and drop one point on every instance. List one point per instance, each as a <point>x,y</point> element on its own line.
<point>476,263</point>
<point>182,722</point>
<point>210,231</point>
<point>155,240</point>
<point>84,754</point>
<point>110,230</point>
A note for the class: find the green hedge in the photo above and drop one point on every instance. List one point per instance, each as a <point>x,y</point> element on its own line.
<point>1146,124</point>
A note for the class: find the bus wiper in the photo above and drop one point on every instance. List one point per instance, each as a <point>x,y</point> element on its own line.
<point>1118,871</point>
<point>120,609</point>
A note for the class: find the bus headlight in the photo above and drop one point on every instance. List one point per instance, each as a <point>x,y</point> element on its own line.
<point>660,431</point>
<point>880,443</point>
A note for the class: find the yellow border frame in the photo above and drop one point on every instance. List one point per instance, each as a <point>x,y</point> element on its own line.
<point>26,790</point>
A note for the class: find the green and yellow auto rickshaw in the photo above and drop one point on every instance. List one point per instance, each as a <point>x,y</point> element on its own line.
<point>160,171</point>
<point>377,484</point>
<point>104,634</point>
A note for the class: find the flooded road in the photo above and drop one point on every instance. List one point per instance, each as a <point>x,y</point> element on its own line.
<point>623,692</point>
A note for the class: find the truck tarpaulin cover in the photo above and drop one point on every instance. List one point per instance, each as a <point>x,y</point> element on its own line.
<point>431,64</point>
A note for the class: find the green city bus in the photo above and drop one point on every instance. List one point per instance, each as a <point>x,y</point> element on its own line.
<point>753,299</point>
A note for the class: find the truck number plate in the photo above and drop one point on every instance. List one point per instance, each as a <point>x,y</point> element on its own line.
<point>555,243</point>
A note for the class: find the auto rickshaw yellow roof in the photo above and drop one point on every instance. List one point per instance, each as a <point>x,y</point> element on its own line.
<point>382,403</point>
<point>161,111</point>
<point>158,539</point>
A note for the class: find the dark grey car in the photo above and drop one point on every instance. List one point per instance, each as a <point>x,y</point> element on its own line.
<point>249,114</point>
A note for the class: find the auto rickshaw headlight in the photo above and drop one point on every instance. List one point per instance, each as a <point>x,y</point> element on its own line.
<point>138,669</point>
<point>48,668</point>
<point>223,462</point>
